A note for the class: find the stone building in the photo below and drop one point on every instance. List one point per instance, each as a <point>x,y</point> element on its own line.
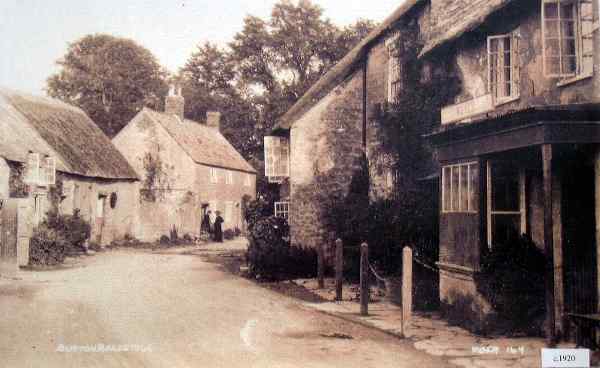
<point>186,168</point>
<point>54,157</point>
<point>516,140</point>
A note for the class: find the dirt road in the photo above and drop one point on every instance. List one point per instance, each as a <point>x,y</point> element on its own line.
<point>174,309</point>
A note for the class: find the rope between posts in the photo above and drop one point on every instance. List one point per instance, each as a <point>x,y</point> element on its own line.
<point>375,273</point>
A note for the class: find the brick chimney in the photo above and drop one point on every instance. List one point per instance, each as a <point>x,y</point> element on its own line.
<point>213,119</point>
<point>174,102</point>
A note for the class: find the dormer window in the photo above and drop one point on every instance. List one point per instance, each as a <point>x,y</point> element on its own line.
<point>503,68</point>
<point>567,27</point>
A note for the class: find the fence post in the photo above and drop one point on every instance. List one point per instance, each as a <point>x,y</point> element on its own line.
<point>364,279</point>
<point>407,262</point>
<point>321,266</point>
<point>339,268</point>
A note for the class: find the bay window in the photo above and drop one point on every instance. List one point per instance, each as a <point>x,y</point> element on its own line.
<point>459,184</point>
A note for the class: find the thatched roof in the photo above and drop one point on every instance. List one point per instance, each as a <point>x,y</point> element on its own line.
<point>463,21</point>
<point>204,144</point>
<point>342,69</point>
<point>51,127</point>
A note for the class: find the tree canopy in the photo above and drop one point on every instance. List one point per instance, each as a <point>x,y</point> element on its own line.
<point>110,78</point>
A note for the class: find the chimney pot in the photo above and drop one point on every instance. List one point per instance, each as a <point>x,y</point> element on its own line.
<point>213,119</point>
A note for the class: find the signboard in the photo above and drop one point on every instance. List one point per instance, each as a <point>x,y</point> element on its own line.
<point>461,111</point>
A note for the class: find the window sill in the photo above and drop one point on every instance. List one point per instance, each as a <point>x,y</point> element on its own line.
<point>574,79</point>
<point>506,100</point>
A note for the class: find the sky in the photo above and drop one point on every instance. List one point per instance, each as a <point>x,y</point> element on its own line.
<point>34,34</point>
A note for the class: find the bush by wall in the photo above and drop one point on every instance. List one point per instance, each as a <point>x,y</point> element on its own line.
<point>512,280</point>
<point>73,228</point>
<point>47,246</point>
<point>270,256</point>
<point>257,210</point>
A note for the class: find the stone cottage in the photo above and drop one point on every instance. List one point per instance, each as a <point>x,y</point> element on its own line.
<point>516,140</point>
<point>55,157</point>
<point>186,169</point>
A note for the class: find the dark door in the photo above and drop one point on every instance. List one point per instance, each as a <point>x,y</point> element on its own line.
<point>579,237</point>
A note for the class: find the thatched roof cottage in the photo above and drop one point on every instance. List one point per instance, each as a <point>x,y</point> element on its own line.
<point>53,153</point>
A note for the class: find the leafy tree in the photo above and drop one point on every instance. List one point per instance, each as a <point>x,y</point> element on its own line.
<point>110,78</point>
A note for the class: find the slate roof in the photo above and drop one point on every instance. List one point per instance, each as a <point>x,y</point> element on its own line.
<point>51,127</point>
<point>467,19</point>
<point>204,144</point>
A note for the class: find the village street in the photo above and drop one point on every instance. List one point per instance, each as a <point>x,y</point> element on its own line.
<point>178,310</point>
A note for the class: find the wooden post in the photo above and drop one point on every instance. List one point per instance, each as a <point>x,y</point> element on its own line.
<point>407,260</point>
<point>339,268</point>
<point>549,242</point>
<point>321,266</point>
<point>364,279</point>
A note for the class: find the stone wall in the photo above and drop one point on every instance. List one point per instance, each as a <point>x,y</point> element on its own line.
<point>221,192</point>
<point>326,144</point>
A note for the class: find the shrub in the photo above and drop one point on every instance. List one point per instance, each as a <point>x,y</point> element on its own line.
<point>164,240</point>
<point>73,228</point>
<point>228,234</point>
<point>256,211</point>
<point>270,255</point>
<point>237,231</point>
<point>47,246</point>
<point>188,238</point>
<point>512,280</point>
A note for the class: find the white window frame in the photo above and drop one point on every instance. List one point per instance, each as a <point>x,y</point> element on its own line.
<point>277,158</point>
<point>282,209</point>
<point>48,171</point>
<point>583,29</point>
<point>229,177</point>
<point>247,180</point>
<point>497,69</point>
<point>32,169</point>
<point>522,203</point>
<point>463,169</point>
<point>214,175</point>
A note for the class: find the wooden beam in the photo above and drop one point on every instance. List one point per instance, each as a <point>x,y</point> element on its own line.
<point>549,243</point>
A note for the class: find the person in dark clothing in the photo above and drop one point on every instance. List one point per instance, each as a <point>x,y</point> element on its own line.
<point>205,224</point>
<point>218,229</point>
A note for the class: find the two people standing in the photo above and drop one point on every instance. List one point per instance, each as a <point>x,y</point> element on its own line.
<point>213,225</point>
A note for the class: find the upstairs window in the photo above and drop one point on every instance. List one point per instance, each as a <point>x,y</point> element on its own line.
<point>282,209</point>
<point>32,169</point>
<point>459,183</point>
<point>248,180</point>
<point>214,175</point>
<point>395,77</point>
<point>567,27</point>
<point>229,177</point>
<point>503,67</point>
<point>48,171</point>
<point>277,158</point>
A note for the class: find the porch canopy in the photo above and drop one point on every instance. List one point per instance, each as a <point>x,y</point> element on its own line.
<point>537,126</point>
<point>533,126</point>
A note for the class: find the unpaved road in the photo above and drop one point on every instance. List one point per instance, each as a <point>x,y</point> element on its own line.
<point>183,312</point>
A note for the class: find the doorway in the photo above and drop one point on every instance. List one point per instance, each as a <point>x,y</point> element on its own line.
<point>579,235</point>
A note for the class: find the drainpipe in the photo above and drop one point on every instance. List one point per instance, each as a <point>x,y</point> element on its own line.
<point>364,104</point>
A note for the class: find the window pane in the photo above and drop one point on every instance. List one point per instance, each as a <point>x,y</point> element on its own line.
<point>455,188</point>
<point>551,10</point>
<point>551,29</point>
<point>567,28</point>
<point>473,178</point>
<point>567,11</point>
<point>505,188</point>
<point>553,65</point>
<point>446,177</point>
<point>464,188</point>
<point>569,64</point>
<point>505,228</point>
